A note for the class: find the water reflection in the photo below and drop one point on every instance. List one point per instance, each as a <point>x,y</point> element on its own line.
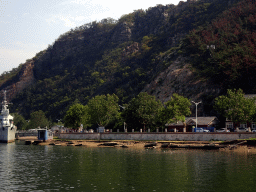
<point>58,168</point>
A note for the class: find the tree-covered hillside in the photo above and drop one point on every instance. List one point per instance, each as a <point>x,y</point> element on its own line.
<point>225,50</point>
<point>123,56</point>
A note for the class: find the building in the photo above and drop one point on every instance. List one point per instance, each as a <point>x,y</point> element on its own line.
<point>190,122</point>
<point>232,125</point>
<point>44,134</point>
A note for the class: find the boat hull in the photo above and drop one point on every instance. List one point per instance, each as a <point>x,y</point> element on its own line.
<point>7,134</point>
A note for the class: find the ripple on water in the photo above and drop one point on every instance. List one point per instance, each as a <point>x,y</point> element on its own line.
<point>43,168</point>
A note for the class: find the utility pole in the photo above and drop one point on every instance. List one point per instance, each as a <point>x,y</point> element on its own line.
<point>196,109</point>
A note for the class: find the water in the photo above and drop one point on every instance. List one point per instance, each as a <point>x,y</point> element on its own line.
<point>62,168</point>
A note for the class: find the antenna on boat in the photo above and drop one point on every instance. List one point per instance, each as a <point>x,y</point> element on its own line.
<point>5,103</point>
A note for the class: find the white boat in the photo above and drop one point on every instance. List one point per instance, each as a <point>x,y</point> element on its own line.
<point>7,128</point>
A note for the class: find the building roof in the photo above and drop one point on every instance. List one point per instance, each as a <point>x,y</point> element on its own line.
<point>249,96</point>
<point>200,120</point>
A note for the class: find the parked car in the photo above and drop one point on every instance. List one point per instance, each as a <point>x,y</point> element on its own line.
<point>206,130</point>
<point>254,130</point>
<point>242,130</point>
<point>222,130</point>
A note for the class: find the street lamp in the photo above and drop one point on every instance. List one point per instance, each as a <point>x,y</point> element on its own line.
<point>196,109</point>
<point>58,120</point>
<point>121,106</point>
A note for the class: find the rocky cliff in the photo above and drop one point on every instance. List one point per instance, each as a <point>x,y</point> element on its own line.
<point>180,78</point>
<point>25,78</point>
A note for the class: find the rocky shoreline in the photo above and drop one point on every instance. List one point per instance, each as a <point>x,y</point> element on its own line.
<point>235,145</point>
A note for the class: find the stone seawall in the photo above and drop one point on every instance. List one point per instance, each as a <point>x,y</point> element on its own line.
<point>158,136</point>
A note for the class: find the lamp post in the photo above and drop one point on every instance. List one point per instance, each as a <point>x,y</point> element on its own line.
<point>196,109</point>
<point>58,120</point>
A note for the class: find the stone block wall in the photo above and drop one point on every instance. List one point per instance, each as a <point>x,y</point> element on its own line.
<point>158,136</point>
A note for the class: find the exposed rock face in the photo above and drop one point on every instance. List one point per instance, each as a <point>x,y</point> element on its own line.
<point>180,79</point>
<point>25,79</point>
<point>160,12</point>
<point>122,33</point>
<point>175,40</point>
<point>129,50</point>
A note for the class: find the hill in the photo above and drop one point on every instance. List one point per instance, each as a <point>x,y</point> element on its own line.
<point>162,50</point>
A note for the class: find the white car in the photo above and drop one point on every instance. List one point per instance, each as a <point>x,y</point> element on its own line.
<point>254,130</point>
<point>242,130</point>
<point>222,130</point>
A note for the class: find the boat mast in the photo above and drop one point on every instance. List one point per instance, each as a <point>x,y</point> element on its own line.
<point>5,110</point>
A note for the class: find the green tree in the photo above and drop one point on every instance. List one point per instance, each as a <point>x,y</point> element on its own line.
<point>19,121</point>
<point>160,119</point>
<point>103,109</point>
<point>38,119</point>
<point>76,115</point>
<point>235,106</point>
<point>177,108</point>
<point>142,110</point>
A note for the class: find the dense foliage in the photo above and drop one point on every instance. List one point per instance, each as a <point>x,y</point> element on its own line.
<point>236,107</point>
<point>20,122</point>
<point>142,112</point>
<point>177,108</point>
<point>38,119</point>
<point>225,49</point>
<point>76,116</point>
<point>103,109</point>
<point>8,77</point>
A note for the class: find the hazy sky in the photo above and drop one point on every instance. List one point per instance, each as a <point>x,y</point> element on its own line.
<point>29,26</point>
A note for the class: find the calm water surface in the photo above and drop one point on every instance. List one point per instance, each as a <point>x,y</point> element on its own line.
<point>59,168</point>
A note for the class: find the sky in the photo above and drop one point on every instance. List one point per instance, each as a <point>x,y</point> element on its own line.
<point>29,26</point>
